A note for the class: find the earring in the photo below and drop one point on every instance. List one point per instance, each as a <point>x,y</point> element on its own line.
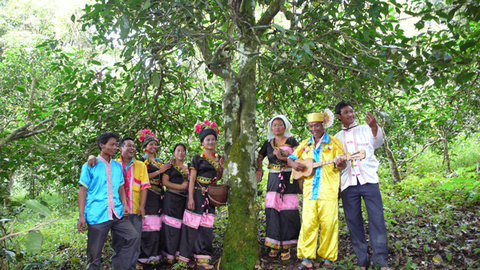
<point>203,147</point>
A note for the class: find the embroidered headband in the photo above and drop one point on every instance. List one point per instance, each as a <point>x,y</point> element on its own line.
<point>145,136</point>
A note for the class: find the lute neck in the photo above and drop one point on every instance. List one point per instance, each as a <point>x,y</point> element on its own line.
<point>322,163</point>
<point>326,162</point>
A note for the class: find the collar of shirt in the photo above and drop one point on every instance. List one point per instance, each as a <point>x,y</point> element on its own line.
<point>126,166</point>
<point>325,139</point>
<point>354,124</point>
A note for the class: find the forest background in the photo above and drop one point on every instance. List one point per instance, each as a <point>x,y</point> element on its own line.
<point>70,70</point>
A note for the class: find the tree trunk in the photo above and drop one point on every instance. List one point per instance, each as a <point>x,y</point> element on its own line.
<point>446,156</point>
<point>240,249</point>
<point>392,163</point>
<point>7,193</point>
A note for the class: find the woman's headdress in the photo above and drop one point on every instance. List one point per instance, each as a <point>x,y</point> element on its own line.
<point>206,128</point>
<point>288,127</point>
<point>145,136</point>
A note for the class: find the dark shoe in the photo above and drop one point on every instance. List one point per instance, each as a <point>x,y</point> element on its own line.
<point>302,266</point>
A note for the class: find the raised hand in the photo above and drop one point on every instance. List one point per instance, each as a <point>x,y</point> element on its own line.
<point>370,119</point>
<point>372,123</point>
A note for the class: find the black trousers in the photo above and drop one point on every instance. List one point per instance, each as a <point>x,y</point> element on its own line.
<point>125,245</point>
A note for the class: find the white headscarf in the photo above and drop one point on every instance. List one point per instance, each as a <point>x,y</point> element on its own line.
<point>288,127</point>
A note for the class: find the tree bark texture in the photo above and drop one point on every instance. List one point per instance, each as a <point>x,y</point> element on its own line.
<point>392,162</point>
<point>446,156</point>
<point>240,243</point>
<point>240,249</point>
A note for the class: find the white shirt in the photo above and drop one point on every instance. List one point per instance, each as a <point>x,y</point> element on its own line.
<point>353,140</point>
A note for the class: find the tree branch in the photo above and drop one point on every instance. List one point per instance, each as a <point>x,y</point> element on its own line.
<point>400,163</point>
<point>268,16</point>
<point>26,131</point>
<point>29,230</point>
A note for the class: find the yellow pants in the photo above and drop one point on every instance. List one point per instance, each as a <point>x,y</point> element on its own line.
<point>324,215</point>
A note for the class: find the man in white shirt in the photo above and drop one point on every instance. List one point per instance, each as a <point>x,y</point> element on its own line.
<point>360,181</point>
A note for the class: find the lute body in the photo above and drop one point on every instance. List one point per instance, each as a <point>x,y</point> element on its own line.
<point>311,165</point>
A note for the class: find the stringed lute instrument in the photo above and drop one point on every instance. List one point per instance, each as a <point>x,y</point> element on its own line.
<point>311,165</point>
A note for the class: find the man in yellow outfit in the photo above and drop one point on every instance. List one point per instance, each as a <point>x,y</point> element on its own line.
<point>320,191</point>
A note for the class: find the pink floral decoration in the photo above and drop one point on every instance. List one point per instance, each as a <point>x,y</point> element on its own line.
<point>144,133</point>
<point>206,124</point>
<point>214,126</point>
<point>198,127</point>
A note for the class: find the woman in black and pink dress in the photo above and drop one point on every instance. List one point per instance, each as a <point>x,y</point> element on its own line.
<point>281,199</point>
<point>197,228</point>
<point>175,180</point>
<point>150,252</point>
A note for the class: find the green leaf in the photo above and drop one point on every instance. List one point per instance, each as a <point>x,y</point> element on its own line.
<point>72,18</point>
<point>124,27</point>
<point>21,88</point>
<point>449,256</point>
<point>306,47</point>
<point>366,34</point>
<point>146,5</point>
<point>373,11</point>
<point>34,242</point>
<point>464,77</point>
<point>279,28</point>
<point>389,78</point>
<point>467,45</point>
<point>10,254</point>
<point>219,4</point>
<point>37,207</point>
<point>128,90</point>
<point>156,79</point>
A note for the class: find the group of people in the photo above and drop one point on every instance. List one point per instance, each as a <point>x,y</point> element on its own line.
<point>153,209</point>
<point>334,177</point>
<point>161,210</point>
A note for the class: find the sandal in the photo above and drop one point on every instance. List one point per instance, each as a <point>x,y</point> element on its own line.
<point>273,253</point>
<point>302,266</point>
<point>285,255</point>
